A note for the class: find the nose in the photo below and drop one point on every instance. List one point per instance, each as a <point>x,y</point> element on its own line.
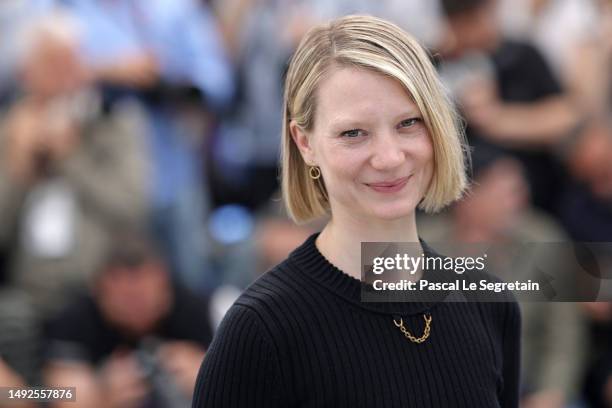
<point>387,152</point>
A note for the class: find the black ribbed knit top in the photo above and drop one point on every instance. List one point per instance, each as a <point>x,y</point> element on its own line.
<point>301,337</point>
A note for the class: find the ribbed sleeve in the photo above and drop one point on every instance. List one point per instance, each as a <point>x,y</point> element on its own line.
<point>241,367</point>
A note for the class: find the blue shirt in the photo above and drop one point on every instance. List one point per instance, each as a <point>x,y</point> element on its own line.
<point>182,34</point>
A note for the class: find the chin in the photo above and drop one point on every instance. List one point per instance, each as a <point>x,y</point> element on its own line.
<point>391,213</point>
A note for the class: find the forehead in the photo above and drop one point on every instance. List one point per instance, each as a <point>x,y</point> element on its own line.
<point>349,93</point>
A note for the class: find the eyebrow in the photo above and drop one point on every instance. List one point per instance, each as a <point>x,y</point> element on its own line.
<point>352,123</point>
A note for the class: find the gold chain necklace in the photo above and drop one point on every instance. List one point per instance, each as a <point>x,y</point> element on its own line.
<point>409,336</point>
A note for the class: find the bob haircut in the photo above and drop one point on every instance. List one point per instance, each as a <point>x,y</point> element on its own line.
<point>374,44</point>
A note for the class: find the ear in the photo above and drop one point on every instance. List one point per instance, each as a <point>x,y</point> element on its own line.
<point>302,141</point>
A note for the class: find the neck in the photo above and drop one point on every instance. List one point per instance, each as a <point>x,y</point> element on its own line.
<point>340,241</point>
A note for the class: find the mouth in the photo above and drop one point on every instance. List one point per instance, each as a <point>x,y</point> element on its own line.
<point>390,186</point>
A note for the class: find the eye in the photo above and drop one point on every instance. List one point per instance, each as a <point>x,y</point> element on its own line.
<point>410,122</point>
<point>353,133</point>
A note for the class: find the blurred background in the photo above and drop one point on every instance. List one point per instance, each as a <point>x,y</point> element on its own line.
<point>139,176</point>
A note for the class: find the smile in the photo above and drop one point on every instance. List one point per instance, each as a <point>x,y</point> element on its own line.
<point>391,186</point>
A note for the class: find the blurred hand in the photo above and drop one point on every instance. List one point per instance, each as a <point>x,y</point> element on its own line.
<point>9,378</point>
<point>182,359</point>
<point>61,137</point>
<point>544,399</point>
<point>481,105</point>
<point>139,71</point>
<point>521,124</point>
<point>35,128</point>
<point>600,312</point>
<point>23,127</point>
<point>122,381</point>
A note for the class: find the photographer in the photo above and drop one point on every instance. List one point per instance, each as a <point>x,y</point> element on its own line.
<point>67,169</point>
<point>137,340</point>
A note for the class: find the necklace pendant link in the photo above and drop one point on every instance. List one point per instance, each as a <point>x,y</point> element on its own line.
<point>409,335</point>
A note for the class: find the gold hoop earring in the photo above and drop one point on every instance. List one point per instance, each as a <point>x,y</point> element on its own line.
<point>315,172</point>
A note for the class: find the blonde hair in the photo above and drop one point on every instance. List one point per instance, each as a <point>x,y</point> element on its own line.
<point>374,44</point>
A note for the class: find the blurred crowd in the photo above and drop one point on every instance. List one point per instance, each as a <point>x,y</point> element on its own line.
<point>139,176</point>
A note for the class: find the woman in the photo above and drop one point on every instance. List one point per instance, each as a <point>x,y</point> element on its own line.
<point>368,136</point>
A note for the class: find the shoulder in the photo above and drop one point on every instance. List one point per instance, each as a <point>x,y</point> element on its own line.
<point>244,350</point>
<point>502,310</point>
<point>284,294</point>
<point>246,328</point>
<point>275,292</point>
<point>502,318</point>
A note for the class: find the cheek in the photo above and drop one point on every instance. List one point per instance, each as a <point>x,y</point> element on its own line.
<point>421,148</point>
<point>342,170</point>
<point>425,157</point>
<point>341,164</point>
<point>337,177</point>
<point>428,158</point>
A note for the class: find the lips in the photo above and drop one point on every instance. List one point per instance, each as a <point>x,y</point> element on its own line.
<point>389,186</point>
<point>389,183</point>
